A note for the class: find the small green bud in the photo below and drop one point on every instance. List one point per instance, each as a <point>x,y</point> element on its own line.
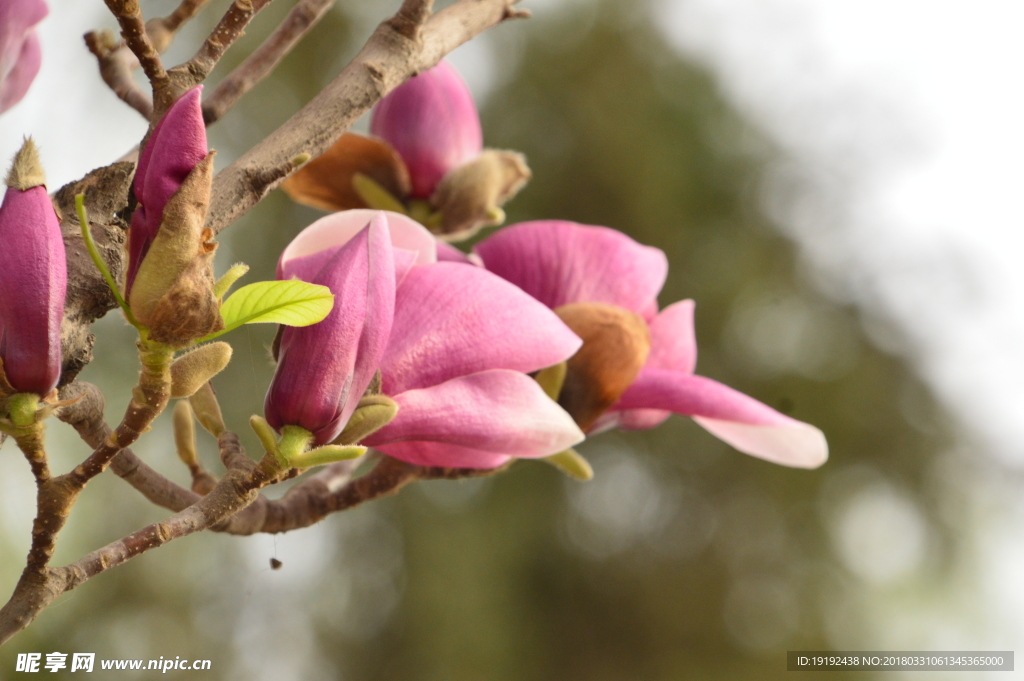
<point>190,371</point>
<point>207,410</point>
<point>185,434</point>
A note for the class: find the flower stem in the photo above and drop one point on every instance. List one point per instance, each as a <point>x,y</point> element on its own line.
<point>101,265</point>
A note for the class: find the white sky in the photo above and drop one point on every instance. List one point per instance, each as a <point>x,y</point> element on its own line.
<point>913,111</point>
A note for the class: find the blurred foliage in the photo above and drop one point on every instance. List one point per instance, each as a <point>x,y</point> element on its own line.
<point>682,559</point>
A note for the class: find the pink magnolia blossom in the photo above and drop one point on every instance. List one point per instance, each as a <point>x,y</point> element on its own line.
<point>461,343</point>
<point>432,122</point>
<point>177,145</point>
<point>20,53</point>
<point>33,282</point>
<point>324,369</point>
<point>560,263</point>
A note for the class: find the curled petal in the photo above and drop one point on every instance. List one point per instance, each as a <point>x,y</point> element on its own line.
<point>324,369</point>
<point>432,123</point>
<point>315,245</point>
<point>559,262</point>
<point>748,425</point>
<point>453,320</point>
<point>497,411</point>
<point>24,70</point>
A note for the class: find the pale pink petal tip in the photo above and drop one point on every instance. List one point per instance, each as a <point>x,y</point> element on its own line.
<point>337,228</point>
<point>799,445</point>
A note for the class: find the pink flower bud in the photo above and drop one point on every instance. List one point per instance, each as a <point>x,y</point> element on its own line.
<point>324,369</point>
<point>20,54</point>
<point>177,145</point>
<point>33,279</point>
<point>432,123</point>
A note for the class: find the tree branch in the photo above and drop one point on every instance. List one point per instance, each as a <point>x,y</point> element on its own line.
<point>229,29</point>
<point>257,65</point>
<point>235,491</point>
<point>133,30</point>
<point>387,60</point>
<point>116,63</point>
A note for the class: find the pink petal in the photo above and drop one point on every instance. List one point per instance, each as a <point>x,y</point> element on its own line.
<point>432,122</point>
<point>17,17</point>
<point>444,455</point>
<point>495,411</point>
<point>24,70</point>
<point>673,342</point>
<point>448,253</point>
<point>453,320</point>
<point>337,228</point>
<point>177,145</point>
<point>33,279</point>
<point>748,425</point>
<point>559,262</point>
<point>325,368</point>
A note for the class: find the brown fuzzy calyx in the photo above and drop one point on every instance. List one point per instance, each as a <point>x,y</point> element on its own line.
<point>26,170</point>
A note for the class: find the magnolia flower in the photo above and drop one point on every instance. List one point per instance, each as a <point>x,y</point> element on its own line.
<point>33,279</point>
<point>636,365</point>
<point>169,284</point>
<point>427,158</point>
<point>460,345</point>
<point>325,368</point>
<point>20,54</point>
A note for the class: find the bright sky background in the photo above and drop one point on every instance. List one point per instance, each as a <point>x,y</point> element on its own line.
<point>910,112</point>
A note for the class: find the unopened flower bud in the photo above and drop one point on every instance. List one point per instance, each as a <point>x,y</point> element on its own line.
<point>432,122</point>
<point>173,293</point>
<point>33,278</point>
<point>175,148</point>
<point>20,53</point>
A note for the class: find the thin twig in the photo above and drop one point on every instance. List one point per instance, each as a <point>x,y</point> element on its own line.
<point>387,60</point>
<point>411,16</point>
<point>181,14</point>
<point>257,65</point>
<point>229,29</point>
<point>115,62</point>
<point>133,30</point>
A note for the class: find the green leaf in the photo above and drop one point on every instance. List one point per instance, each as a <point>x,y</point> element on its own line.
<point>292,302</point>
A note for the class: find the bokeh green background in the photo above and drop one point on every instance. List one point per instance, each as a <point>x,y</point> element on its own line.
<point>683,559</point>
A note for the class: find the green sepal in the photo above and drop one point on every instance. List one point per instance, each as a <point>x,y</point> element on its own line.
<point>326,454</point>
<point>572,464</point>
<point>552,379</point>
<point>375,195</point>
<point>266,434</point>
<point>373,413</point>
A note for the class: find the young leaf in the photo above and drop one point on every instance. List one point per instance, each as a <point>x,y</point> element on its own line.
<point>292,302</point>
